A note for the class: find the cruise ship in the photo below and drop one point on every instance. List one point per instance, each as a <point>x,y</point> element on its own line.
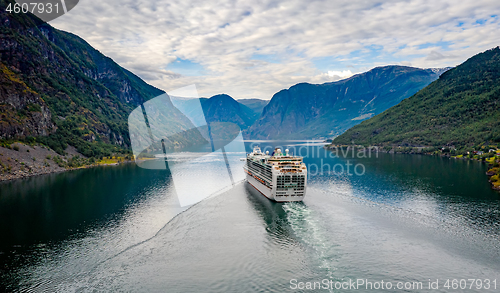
<point>280,176</point>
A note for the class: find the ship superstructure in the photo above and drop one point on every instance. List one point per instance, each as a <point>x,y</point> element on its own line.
<point>280,176</point>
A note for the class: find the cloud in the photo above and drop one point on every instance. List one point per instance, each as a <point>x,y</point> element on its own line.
<point>223,37</point>
<point>434,56</point>
<point>339,74</point>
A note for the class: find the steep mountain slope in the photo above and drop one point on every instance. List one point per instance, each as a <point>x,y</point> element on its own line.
<point>307,111</point>
<point>218,108</point>
<point>256,105</point>
<point>59,89</point>
<point>461,107</point>
<point>223,108</point>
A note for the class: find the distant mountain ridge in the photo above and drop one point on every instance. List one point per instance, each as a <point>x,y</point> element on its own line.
<point>56,87</point>
<point>256,105</point>
<point>59,89</point>
<point>306,111</point>
<point>461,108</point>
<point>221,108</point>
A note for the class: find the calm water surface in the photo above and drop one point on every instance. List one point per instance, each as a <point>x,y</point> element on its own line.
<point>407,218</point>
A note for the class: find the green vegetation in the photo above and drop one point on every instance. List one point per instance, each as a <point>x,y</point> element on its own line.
<point>59,161</point>
<point>76,162</point>
<point>494,173</point>
<point>306,111</point>
<point>72,162</point>
<point>4,168</point>
<point>34,108</point>
<point>457,116</point>
<point>459,110</point>
<point>113,160</point>
<point>66,92</point>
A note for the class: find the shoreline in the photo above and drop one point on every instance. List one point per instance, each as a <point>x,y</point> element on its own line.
<point>26,175</point>
<point>393,150</point>
<point>24,161</point>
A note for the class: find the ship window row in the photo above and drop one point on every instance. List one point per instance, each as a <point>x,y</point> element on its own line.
<point>267,176</point>
<point>281,188</point>
<point>262,177</point>
<point>292,184</point>
<point>260,168</point>
<point>260,165</point>
<point>294,180</point>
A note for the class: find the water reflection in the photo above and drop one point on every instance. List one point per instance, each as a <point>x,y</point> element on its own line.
<point>406,214</point>
<point>45,216</point>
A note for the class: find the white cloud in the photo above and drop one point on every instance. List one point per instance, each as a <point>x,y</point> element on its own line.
<point>340,74</point>
<point>223,36</point>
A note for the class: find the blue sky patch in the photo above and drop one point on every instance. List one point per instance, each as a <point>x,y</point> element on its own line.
<point>186,67</point>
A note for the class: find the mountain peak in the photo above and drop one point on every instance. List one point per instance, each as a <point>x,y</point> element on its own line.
<point>223,98</point>
<point>460,108</point>
<point>306,111</point>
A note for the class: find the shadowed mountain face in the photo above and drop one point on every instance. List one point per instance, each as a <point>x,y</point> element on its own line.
<point>460,108</point>
<point>219,108</point>
<point>223,108</point>
<point>56,87</point>
<point>307,111</point>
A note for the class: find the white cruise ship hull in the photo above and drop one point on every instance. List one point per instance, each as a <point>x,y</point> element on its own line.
<point>278,177</point>
<point>264,190</point>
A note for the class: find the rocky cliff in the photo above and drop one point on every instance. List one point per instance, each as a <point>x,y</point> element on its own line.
<point>59,89</point>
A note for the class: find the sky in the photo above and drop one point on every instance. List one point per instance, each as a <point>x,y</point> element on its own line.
<point>254,48</point>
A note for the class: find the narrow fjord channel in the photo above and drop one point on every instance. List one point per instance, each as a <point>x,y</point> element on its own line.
<point>401,218</point>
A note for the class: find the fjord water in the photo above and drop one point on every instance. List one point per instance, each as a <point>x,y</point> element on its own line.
<point>405,218</point>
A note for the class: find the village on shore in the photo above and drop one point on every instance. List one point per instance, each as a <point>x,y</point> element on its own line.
<point>489,154</point>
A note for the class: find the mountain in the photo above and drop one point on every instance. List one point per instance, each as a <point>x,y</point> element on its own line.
<point>58,90</point>
<point>223,108</point>
<point>256,105</point>
<point>218,108</point>
<point>307,111</point>
<point>462,107</point>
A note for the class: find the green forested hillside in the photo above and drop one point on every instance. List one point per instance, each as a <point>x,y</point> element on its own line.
<point>461,108</point>
<point>223,108</point>
<point>256,105</point>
